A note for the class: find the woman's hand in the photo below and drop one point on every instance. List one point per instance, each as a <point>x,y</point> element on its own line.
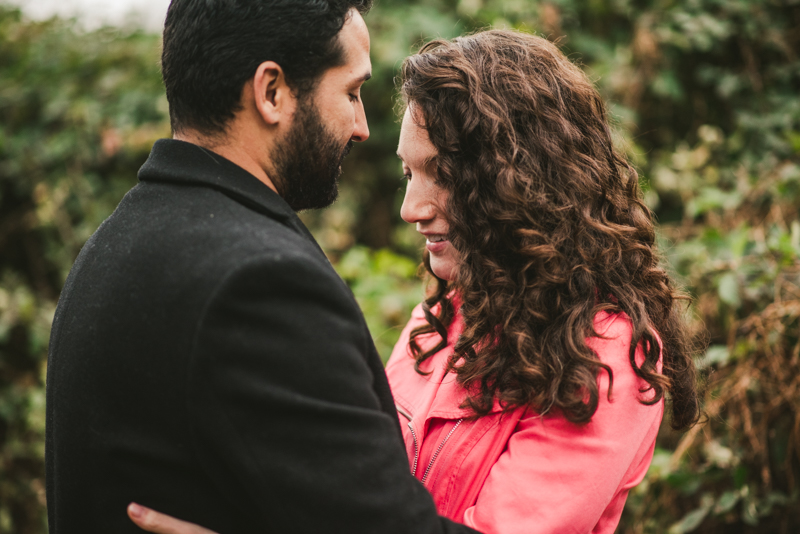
<point>153,521</point>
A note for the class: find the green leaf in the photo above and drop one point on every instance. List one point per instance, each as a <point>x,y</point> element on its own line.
<point>693,519</point>
<point>728,289</point>
<point>726,502</point>
<point>716,355</point>
<point>712,198</point>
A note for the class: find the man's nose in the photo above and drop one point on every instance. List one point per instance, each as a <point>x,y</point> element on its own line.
<point>361,130</point>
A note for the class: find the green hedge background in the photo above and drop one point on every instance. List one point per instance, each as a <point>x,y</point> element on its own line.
<point>704,95</point>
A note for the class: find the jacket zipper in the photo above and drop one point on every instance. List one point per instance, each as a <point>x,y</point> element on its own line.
<point>416,450</point>
<point>435,454</point>
<point>402,412</point>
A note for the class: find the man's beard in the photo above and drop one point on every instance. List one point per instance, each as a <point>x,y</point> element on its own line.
<point>308,160</point>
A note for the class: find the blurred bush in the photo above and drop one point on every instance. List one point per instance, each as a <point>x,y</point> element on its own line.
<point>78,113</point>
<point>704,97</point>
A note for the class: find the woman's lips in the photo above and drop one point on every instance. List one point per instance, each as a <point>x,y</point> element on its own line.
<point>435,247</point>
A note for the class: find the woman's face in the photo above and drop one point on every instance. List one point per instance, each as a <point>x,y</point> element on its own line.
<point>425,201</point>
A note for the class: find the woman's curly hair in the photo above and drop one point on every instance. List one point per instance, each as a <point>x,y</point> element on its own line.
<point>548,221</point>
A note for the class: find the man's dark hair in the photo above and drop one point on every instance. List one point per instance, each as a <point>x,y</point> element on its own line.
<point>212,47</point>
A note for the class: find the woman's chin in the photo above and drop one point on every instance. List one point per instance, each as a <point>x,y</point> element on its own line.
<point>443,268</point>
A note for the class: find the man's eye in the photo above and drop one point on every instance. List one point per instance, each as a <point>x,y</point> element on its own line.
<point>354,97</point>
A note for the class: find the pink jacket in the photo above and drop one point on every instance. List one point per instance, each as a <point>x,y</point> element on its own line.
<point>519,472</point>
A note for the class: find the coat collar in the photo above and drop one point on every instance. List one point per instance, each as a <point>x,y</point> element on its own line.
<point>179,162</point>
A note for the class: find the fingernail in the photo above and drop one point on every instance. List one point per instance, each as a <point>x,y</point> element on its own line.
<point>135,510</point>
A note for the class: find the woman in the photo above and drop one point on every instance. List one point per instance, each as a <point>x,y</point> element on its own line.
<point>530,383</point>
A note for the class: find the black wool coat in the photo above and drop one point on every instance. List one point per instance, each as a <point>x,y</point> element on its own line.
<point>207,361</point>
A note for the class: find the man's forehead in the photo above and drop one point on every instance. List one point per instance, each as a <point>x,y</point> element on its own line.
<point>357,27</point>
<point>354,38</point>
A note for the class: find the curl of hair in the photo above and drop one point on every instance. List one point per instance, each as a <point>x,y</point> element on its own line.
<point>549,224</point>
<point>436,323</point>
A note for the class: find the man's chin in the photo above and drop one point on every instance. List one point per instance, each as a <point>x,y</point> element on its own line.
<point>316,202</point>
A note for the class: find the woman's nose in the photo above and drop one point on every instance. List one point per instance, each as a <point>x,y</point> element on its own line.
<point>417,206</point>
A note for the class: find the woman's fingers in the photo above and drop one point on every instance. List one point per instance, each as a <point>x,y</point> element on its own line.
<point>153,521</point>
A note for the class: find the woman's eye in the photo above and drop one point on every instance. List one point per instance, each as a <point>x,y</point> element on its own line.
<point>406,177</point>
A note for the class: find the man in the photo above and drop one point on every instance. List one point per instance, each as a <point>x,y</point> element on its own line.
<point>205,358</point>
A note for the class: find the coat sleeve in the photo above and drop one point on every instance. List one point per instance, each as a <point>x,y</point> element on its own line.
<point>558,477</point>
<point>285,418</point>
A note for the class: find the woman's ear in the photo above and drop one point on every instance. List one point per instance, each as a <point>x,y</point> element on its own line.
<point>272,96</point>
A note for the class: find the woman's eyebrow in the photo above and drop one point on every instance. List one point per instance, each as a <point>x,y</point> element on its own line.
<point>425,164</point>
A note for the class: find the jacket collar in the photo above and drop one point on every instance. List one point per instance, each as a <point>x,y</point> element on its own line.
<point>180,162</point>
<point>436,394</point>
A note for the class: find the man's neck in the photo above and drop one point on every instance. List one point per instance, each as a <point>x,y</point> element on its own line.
<point>230,150</point>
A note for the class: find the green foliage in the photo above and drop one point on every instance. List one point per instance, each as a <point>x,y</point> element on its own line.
<point>78,113</point>
<point>386,288</point>
<point>703,94</point>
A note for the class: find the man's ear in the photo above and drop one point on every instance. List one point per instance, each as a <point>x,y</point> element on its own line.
<point>273,97</point>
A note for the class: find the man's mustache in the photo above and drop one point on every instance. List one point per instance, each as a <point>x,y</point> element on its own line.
<point>347,149</point>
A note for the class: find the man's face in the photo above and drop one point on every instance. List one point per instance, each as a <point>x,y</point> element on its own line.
<point>326,123</point>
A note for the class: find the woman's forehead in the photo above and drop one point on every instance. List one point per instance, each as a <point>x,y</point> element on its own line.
<point>415,147</point>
